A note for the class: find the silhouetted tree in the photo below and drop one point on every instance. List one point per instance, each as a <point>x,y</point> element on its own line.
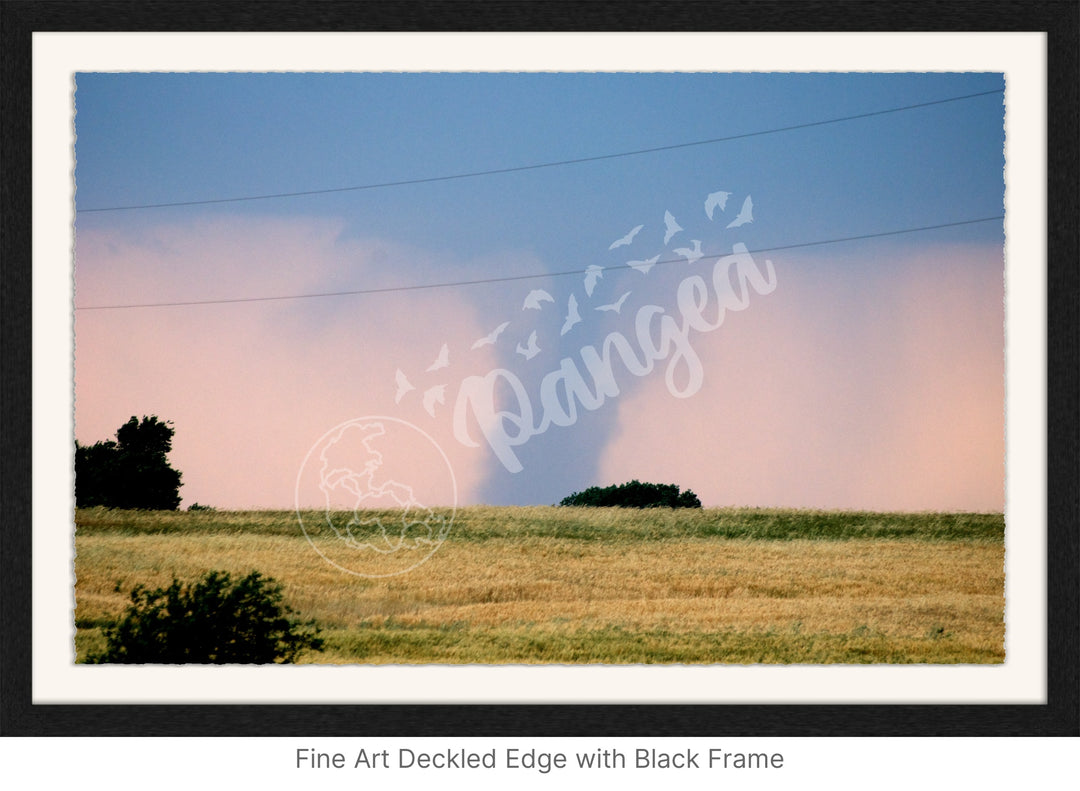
<point>132,472</point>
<point>634,494</point>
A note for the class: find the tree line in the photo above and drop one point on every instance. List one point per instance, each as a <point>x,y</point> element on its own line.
<point>131,472</point>
<point>634,494</point>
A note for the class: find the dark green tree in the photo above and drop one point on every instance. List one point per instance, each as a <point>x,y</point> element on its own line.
<point>132,472</point>
<point>213,621</point>
<point>634,494</point>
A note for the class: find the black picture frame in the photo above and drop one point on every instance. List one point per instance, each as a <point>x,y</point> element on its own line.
<point>1059,716</point>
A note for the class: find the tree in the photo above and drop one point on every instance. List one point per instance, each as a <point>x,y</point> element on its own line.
<point>132,472</point>
<point>213,621</point>
<point>634,494</point>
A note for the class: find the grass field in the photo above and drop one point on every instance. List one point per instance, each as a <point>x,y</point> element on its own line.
<point>577,585</point>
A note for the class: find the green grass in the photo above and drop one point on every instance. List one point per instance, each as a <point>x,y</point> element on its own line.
<point>458,644</point>
<point>483,523</point>
<point>583,585</point>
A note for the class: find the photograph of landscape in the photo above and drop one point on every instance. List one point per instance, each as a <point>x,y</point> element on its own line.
<point>539,368</point>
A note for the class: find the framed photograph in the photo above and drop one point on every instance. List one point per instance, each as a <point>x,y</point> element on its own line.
<point>716,368</point>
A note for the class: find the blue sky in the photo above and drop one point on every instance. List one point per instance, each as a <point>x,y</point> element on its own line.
<point>880,316</point>
<point>154,138</point>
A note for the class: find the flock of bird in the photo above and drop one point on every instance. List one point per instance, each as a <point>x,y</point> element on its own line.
<point>537,297</point>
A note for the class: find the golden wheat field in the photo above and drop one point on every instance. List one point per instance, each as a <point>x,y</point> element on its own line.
<point>582,585</point>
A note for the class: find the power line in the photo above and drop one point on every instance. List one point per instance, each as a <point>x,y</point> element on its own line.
<point>560,163</point>
<point>536,276</point>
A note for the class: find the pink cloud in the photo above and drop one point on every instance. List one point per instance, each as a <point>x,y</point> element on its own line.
<point>251,386</point>
<point>863,383</point>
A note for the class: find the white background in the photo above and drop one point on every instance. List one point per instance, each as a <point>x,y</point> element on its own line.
<point>1021,57</point>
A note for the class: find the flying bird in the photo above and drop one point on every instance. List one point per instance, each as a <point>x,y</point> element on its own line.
<point>670,227</point>
<point>592,274</point>
<point>572,315</point>
<point>690,255</point>
<point>535,297</point>
<point>530,350</point>
<point>616,305</point>
<point>403,386</point>
<point>491,337</point>
<point>626,239</point>
<point>432,396</point>
<point>644,266</point>
<point>745,214</point>
<point>716,199</point>
<point>442,361</point>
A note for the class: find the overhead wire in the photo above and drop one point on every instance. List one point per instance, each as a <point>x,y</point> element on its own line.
<point>533,276</point>
<point>536,166</point>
